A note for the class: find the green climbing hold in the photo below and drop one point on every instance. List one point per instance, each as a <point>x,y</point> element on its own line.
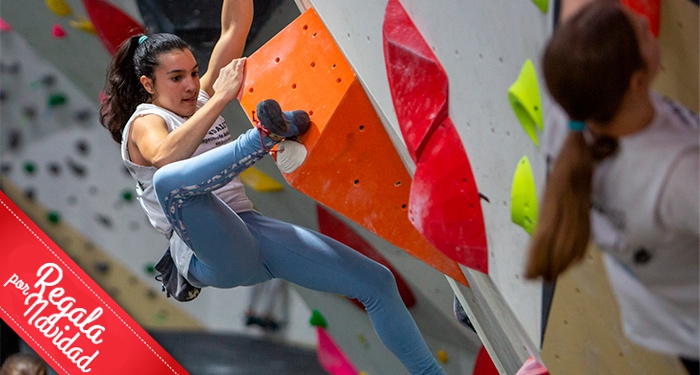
<point>524,97</point>
<point>150,269</point>
<point>57,99</point>
<point>30,167</point>
<point>542,4</point>
<point>317,320</point>
<point>53,217</point>
<point>523,197</point>
<point>127,195</point>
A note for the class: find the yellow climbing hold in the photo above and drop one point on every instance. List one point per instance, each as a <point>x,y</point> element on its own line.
<point>524,97</point>
<point>84,25</point>
<point>259,181</point>
<point>362,373</point>
<point>523,197</point>
<point>542,4</point>
<point>442,356</point>
<point>59,7</point>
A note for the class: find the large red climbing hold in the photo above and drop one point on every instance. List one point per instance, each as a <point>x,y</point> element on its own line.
<point>444,204</point>
<point>444,201</point>
<point>113,26</point>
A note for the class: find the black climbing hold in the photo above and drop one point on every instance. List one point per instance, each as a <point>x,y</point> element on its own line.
<point>104,220</point>
<point>29,194</point>
<point>48,80</point>
<point>102,267</point>
<point>77,169</point>
<point>10,68</point>
<point>642,256</point>
<point>29,112</point>
<point>54,168</point>
<point>5,168</point>
<point>83,147</point>
<point>83,115</point>
<point>14,139</point>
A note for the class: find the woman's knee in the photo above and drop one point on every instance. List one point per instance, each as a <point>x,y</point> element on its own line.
<point>165,181</point>
<point>380,285</point>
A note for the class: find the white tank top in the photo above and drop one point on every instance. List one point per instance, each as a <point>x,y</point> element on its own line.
<point>233,194</point>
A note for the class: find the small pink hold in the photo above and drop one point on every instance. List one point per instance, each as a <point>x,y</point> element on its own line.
<point>58,31</point>
<point>4,26</point>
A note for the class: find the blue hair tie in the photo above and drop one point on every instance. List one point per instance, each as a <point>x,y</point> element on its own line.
<point>142,38</point>
<point>576,125</point>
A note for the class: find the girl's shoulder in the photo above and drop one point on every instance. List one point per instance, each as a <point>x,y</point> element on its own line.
<point>674,116</point>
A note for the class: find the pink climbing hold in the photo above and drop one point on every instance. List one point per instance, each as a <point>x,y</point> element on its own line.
<point>4,26</point>
<point>58,31</point>
<point>444,204</point>
<point>331,358</point>
<point>532,367</point>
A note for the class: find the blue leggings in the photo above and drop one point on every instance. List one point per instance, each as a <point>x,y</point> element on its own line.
<point>247,248</point>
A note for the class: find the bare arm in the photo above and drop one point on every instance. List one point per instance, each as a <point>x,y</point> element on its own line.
<point>236,18</point>
<point>151,144</point>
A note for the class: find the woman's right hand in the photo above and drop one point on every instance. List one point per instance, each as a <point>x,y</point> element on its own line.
<point>230,79</point>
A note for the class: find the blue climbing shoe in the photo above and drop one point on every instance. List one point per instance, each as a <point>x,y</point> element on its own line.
<point>280,124</point>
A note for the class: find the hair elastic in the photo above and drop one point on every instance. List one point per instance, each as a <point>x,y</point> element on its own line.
<point>576,125</point>
<point>142,38</point>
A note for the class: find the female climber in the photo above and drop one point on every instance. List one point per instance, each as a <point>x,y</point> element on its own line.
<point>626,171</point>
<point>186,166</point>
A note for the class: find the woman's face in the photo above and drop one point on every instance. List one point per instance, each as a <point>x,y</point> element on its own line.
<point>648,46</point>
<point>176,84</point>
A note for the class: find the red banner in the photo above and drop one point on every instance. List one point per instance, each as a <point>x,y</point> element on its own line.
<point>64,315</point>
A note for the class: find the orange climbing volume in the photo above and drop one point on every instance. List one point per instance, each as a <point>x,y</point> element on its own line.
<point>352,165</point>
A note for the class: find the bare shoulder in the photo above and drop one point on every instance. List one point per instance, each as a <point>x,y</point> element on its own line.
<point>149,123</point>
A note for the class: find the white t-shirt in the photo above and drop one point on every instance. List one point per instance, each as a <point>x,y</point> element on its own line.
<point>646,220</point>
<point>233,193</point>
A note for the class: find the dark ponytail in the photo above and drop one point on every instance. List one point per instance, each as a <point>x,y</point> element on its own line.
<point>136,57</point>
<point>588,65</point>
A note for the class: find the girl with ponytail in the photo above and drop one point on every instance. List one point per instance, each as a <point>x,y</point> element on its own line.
<point>626,175</point>
<point>186,165</point>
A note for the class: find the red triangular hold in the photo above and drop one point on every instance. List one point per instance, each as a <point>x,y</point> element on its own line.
<point>418,81</point>
<point>484,365</point>
<point>112,25</point>
<point>445,205</point>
